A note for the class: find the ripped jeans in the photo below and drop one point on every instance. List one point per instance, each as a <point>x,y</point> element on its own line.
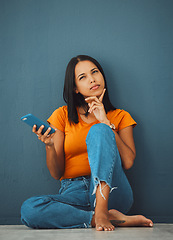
<point>73,206</point>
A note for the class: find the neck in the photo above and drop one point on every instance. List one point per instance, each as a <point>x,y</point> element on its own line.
<point>82,112</point>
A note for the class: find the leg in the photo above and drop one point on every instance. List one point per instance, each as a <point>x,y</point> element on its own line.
<point>69,209</point>
<point>103,157</point>
<point>101,218</point>
<point>106,168</point>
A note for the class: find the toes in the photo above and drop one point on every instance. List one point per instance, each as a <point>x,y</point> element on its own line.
<point>109,228</point>
<point>104,228</point>
<point>151,224</point>
<point>112,229</point>
<point>99,228</point>
<point>148,224</point>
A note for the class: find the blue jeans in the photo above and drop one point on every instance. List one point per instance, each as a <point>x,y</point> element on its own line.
<point>73,206</point>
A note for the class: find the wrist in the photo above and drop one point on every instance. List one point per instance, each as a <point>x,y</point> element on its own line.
<point>49,145</point>
<point>107,122</point>
<point>111,125</point>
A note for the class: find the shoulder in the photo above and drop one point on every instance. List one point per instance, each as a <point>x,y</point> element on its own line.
<point>60,112</point>
<point>62,109</point>
<point>59,118</point>
<point>118,113</point>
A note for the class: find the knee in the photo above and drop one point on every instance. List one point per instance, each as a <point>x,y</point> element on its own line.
<point>101,130</point>
<point>29,212</point>
<point>100,127</point>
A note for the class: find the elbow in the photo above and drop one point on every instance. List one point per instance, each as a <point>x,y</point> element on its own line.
<point>128,166</point>
<point>56,176</point>
<point>129,162</point>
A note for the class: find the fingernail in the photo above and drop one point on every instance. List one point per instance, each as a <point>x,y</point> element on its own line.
<point>151,224</point>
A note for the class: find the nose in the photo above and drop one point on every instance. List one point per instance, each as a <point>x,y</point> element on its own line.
<point>91,79</point>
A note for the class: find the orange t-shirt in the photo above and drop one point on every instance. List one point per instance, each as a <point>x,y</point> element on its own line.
<point>75,148</point>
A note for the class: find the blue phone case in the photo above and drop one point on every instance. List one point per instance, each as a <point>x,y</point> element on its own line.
<point>31,120</point>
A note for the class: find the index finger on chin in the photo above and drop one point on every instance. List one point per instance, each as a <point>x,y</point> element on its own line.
<point>102,95</point>
<point>89,99</point>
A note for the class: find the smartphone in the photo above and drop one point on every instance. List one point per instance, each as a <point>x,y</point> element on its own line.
<point>31,120</point>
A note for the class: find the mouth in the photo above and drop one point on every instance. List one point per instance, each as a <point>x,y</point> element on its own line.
<point>95,87</point>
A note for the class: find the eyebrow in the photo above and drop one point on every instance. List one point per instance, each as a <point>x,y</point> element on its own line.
<point>84,73</point>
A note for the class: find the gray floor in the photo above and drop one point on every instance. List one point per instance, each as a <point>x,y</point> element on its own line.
<point>19,232</point>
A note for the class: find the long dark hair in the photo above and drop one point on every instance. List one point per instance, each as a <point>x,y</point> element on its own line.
<point>74,99</point>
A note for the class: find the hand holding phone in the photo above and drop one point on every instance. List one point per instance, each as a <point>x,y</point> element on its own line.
<point>41,129</point>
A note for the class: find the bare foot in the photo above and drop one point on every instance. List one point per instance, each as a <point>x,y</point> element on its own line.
<point>130,221</point>
<point>101,222</point>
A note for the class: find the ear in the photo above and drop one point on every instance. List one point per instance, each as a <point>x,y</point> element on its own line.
<point>76,91</point>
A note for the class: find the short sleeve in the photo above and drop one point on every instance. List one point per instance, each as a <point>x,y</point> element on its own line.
<point>126,120</point>
<point>121,119</point>
<point>58,118</point>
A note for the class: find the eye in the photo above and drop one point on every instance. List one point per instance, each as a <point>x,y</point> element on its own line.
<point>95,71</point>
<point>81,77</point>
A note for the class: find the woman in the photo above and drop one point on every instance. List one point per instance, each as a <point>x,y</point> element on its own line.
<point>92,145</point>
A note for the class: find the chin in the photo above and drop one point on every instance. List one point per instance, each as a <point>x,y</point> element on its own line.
<point>99,93</point>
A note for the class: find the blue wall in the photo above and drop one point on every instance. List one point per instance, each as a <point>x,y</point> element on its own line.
<point>133,41</point>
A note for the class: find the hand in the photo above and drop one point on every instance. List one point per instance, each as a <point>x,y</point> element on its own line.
<point>46,137</point>
<point>97,108</point>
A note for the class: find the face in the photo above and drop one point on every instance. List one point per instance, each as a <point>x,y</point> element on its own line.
<point>89,80</point>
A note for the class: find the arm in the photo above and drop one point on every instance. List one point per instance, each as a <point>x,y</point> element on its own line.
<point>55,155</point>
<point>126,146</point>
<point>54,144</point>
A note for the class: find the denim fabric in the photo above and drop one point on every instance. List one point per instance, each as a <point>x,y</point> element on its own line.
<point>73,206</point>
<point>105,164</point>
